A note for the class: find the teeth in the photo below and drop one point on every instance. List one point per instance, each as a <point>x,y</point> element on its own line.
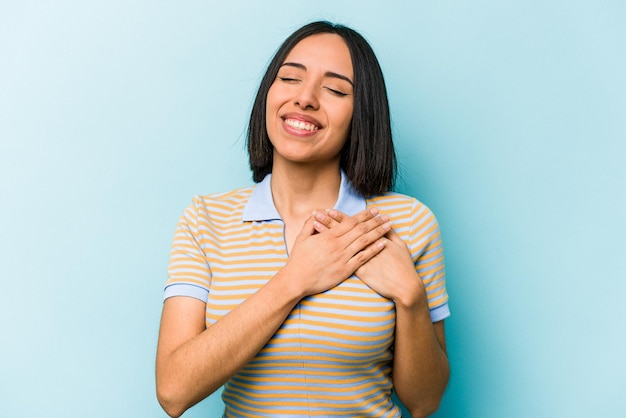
<point>298,124</point>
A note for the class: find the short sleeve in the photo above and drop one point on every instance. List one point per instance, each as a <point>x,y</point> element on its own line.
<point>189,273</point>
<point>427,251</point>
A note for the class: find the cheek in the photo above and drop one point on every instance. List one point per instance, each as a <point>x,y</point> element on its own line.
<point>276,94</point>
<point>346,118</point>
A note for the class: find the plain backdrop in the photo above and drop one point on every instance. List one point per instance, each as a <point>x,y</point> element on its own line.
<point>509,120</point>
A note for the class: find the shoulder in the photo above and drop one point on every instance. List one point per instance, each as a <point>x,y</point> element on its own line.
<point>398,204</point>
<point>412,220</point>
<point>229,201</point>
<point>216,206</point>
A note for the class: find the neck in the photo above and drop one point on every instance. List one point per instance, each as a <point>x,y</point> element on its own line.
<point>297,191</point>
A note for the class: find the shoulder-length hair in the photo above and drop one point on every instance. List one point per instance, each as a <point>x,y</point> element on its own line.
<point>368,157</point>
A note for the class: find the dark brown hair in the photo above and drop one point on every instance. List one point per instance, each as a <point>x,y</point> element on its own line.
<point>368,157</point>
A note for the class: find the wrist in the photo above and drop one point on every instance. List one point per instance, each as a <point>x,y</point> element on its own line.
<point>412,296</point>
<point>288,286</point>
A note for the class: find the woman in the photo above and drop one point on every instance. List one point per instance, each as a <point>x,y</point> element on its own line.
<point>317,291</point>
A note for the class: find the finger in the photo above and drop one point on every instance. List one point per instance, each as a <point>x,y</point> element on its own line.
<point>350,223</point>
<point>308,228</point>
<point>319,227</point>
<point>367,233</point>
<point>335,215</point>
<point>323,219</point>
<point>367,253</point>
<point>361,216</point>
<point>394,237</point>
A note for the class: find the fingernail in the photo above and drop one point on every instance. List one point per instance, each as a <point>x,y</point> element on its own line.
<point>331,212</point>
<point>387,226</point>
<point>374,211</point>
<point>318,215</point>
<point>384,218</point>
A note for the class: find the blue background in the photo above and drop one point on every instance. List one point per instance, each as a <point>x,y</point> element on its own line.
<point>510,124</point>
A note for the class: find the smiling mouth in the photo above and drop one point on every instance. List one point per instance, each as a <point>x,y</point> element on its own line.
<point>298,124</point>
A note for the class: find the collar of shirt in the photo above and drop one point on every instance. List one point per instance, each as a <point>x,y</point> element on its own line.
<point>260,206</point>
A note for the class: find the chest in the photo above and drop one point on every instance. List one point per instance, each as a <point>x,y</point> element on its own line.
<point>349,315</point>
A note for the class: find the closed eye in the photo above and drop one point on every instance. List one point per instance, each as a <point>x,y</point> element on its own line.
<point>288,79</point>
<point>336,92</point>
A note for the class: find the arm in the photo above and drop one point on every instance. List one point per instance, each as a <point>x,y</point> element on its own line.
<point>420,365</point>
<point>192,362</point>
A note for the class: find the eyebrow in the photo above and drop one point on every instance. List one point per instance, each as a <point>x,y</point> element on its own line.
<point>326,74</point>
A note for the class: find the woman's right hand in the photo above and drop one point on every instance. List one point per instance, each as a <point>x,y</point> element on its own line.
<point>321,260</point>
<point>194,361</point>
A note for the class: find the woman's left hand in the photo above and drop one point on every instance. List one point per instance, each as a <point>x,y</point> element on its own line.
<point>420,365</point>
<point>391,273</point>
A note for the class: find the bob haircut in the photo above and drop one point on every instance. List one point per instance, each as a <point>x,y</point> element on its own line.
<point>368,157</point>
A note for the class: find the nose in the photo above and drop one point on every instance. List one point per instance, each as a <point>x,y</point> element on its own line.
<point>306,97</point>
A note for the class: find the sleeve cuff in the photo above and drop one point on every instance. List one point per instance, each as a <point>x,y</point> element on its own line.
<point>439,313</point>
<point>184,289</point>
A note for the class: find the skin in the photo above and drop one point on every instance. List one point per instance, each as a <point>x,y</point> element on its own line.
<point>309,109</point>
<point>421,369</point>
<point>194,361</point>
<point>313,86</point>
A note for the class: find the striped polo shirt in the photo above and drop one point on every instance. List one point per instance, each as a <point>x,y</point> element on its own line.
<point>333,354</point>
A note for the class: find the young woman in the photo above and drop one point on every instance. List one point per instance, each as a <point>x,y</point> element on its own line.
<point>317,291</point>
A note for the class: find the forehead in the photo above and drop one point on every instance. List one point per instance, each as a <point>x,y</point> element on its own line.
<point>327,51</point>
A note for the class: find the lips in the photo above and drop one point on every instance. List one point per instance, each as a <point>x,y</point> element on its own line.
<point>301,122</point>
<point>298,124</point>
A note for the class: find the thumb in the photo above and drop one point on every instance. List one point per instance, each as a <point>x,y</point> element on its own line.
<point>308,229</point>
